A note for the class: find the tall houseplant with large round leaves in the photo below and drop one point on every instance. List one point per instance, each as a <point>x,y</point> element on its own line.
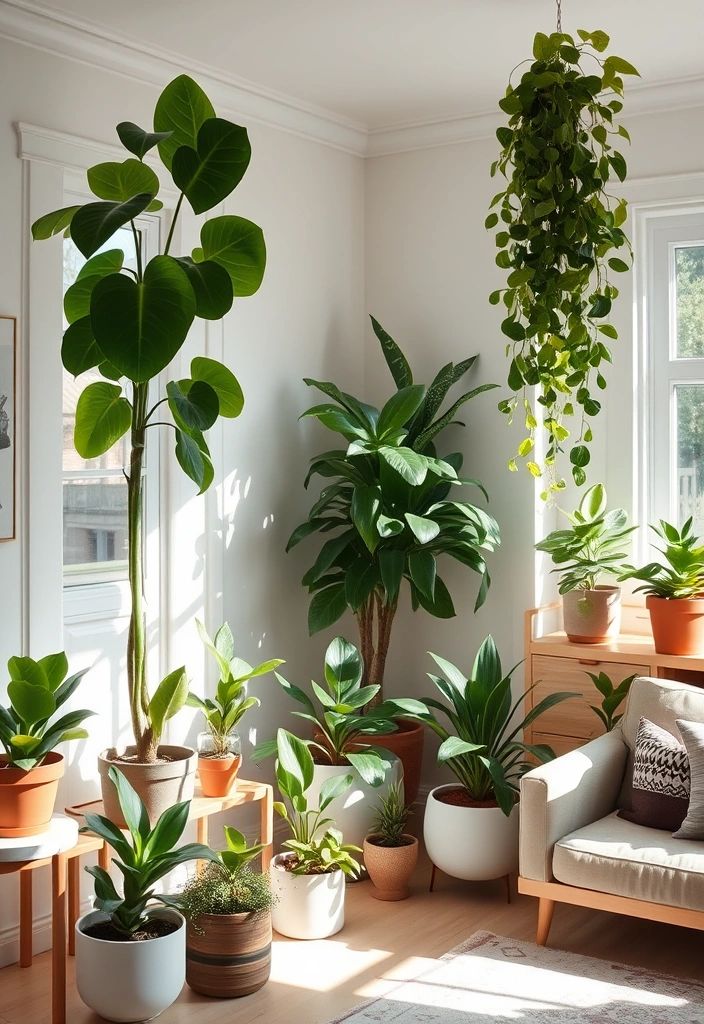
<point>130,324</point>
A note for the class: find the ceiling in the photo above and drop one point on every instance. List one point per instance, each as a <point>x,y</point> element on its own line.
<point>379,63</point>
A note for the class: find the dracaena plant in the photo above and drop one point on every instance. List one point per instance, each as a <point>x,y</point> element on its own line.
<point>144,856</point>
<point>231,702</point>
<point>390,503</point>
<point>682,576</point>
<point>481,742</point>
<point>130,323</point>
<point>612,698</point>
<point>37,689</point>
<point>560,238</point>
<point>315,844</point>
<point>594,545</point>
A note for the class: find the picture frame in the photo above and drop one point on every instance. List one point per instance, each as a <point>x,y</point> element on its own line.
<point>8,424</point>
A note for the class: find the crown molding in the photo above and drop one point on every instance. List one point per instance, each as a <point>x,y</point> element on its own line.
<point>69,37</point>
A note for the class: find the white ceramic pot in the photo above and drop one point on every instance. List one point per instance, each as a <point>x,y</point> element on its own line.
<point>307,906</point>
<point>130,981</point>
<point>353,812</point>
<point>474,843</point>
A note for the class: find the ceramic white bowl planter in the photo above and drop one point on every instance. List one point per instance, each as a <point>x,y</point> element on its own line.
<point>307,906</point>
<point>353,812</point>
<point>474,843</point>
<point>130,981</point>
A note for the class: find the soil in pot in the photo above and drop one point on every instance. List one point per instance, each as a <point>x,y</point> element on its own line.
<point>459,797</point>
<point>407,744</point>
<point>27,798</point>
<point>154,929</point>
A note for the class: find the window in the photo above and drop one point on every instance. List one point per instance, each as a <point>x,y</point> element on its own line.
<point>675,366</point>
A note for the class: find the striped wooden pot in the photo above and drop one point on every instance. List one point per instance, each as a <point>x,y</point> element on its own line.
<point>230,954</point>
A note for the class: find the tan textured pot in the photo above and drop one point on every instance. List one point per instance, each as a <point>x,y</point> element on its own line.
<point>217,774</point>
<point>678,624</point>
<point>407,745</point>
<point>592,616</point>
<point>229,955</point>
<point>27,798</point>
<point>390,867</point>
<point>159,785</point>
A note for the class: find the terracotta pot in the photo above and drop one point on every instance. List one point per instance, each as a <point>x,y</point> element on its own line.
<point>406,744</point>
<point>678,624</point>
<point>217,774</point>
<point>390,867</point>
<point>159,785</point>
<point>592,616</point>
<point>27,798</point>
<point>230,954</point>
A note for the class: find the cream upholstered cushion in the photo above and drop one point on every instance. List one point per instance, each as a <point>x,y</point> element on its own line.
<point>616,856</point>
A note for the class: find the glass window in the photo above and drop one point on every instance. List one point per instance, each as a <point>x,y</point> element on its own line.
<point>688,303</point>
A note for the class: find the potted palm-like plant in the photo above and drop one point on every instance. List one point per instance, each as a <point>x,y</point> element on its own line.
<point>390,508</point>
<point>219,747</point>
<point>308,881</point>
<point>471,826</point>
<point>30,768</point>
<point>345,741</point>
<point>675,591</point>
<point>228,913</point>
<point>130,957</point>
<point>390,852</point>
<point>591,547</point>
<point>129,324</point>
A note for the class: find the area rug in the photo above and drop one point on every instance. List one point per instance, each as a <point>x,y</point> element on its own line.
<point>489,979</point>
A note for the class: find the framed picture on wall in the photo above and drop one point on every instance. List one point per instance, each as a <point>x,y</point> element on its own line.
<point>8,418</point>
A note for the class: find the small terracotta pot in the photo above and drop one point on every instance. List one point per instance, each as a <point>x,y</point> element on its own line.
<point>159,785</point>
<point>390,867</point>
<point>230,954</point>
<point>677,623</point>
<point>407,745</point>
<point>592,616</point>
<point>27,798</point>
<point>217,774</point>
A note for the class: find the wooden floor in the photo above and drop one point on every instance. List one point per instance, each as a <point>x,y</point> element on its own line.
<point>381,944</point>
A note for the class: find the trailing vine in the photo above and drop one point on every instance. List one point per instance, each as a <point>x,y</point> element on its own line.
<point>558,230</point>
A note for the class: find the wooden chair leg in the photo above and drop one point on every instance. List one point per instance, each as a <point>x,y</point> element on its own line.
<point>26,919</point>
<point>74,901</point>
<point>104,857</point>
<point>266,826</point>
<point>58,939</point>
<point>546,908</point>
<point>432,879</point>
<point>201,837</point>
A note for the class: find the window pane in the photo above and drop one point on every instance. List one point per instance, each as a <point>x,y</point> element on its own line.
<point>689,301</point>
<point>689,399</point>
<point>95,523</point>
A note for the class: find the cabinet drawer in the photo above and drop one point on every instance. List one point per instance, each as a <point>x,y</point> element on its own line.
<point>573,717</point>
<point>560,744</point>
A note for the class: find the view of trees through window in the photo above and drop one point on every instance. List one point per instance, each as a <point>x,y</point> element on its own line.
<point>689,398</point>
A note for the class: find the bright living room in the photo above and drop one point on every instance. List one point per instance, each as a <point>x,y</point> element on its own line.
<point>466,240</point>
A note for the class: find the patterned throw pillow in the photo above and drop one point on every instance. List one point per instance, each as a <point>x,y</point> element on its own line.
<point>693,735</point>
<point>660,793</point>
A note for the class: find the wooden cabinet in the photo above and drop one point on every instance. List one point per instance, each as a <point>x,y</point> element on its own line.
<point>554,664</point>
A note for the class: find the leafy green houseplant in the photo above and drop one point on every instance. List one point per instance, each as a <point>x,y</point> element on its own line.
<point>674,590</point>
<point>30,768</point>
<point>228,912</point>
<point>130,324</point>
<point>595,544</point>
<point>612,698</point>
<point>560,237</point>
<point>390,852</point>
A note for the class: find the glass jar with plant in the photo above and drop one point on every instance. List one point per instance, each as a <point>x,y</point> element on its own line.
<point>308,881</point>
<point>127,325</point>
<point>228,913</point>
<point>560,235</point>
<point>594,545</point>
<point>219,747</point>
<point>481,746</point>
<point>674,590</point>
<point>394,511</point>
<point>613,697</point>
<point>390,852</point>
<point>30,768</point>
<point>149,973</point>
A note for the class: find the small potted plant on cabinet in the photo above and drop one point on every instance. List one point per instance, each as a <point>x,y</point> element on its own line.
<point>131,960</point>
<point>612,696</point>
<point>308,881</point>
<point>591,547</point>
<point>390,853</point>
<point>228,913</point>
<point>30,768</point>
<point>471,827</point>
<point>219,748</point>
<point>675,591</point>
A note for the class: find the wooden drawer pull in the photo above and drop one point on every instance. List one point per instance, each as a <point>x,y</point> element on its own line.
<point>586,661</point>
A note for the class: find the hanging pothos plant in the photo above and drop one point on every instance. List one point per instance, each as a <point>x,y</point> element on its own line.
<point>558,232</point>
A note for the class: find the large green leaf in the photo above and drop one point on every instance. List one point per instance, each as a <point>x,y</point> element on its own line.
<point>32,703</point>
<point>395,359</point>
<point>53,223</point>
<point>391,565</point>
<point>133,809</point>
<point>55,667</point>
<point>238,246</point>
<point>423,529</point>
<point>399,409</point>
<point>79,351</point>
<point>140,326</point>
<point>422,568</point>
<point>118,182</point>
<point>326,607</point>
<point>181,110</point>
<point>21,667</point>
<point>408,464</point>
<point>211,286</point>
<point>370,765</point>
<point>137,140</point>
<point>103,415</point>
<point>343,664</point>
<point>222,381</point>
<point>194,404</point>
<point>441,606</point>
<point>295,758</point>
<point>93,225</point>
<point>364,509</point>
<point>208,172</point>
<point>453,747</point>
<point>169,697</point>
<point>194,459</point>
<point>77,297</point>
